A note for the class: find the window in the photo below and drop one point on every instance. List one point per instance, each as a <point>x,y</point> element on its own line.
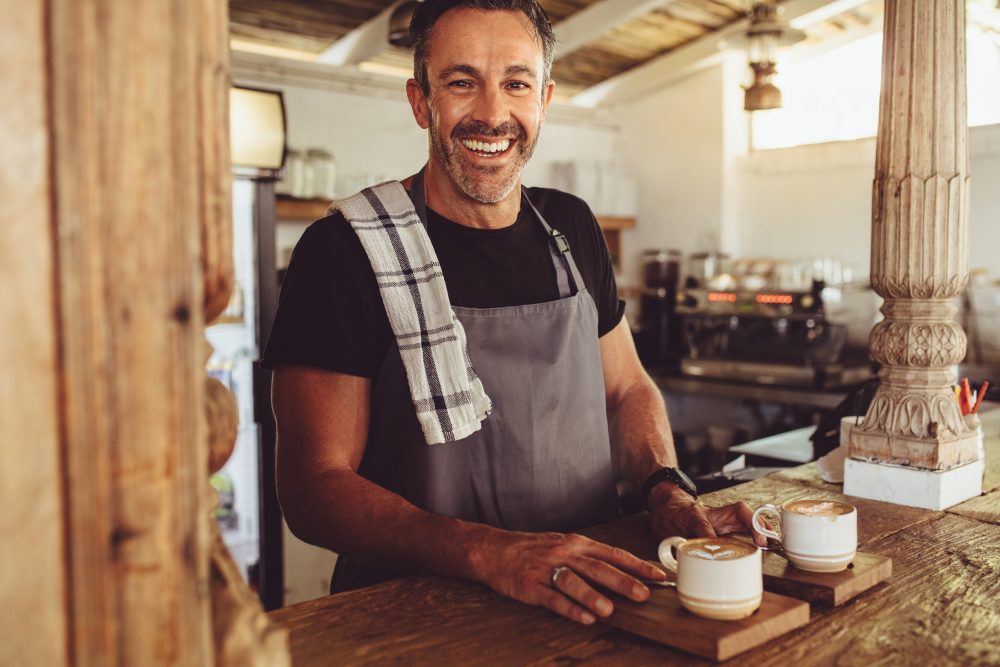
<point>834,96</point>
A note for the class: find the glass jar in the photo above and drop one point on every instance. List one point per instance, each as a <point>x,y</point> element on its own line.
<point>321,174</point>
<point>291,178</point>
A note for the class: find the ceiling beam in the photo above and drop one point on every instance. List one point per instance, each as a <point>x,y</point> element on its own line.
<point>366,41</point>
<point>594,21</point>
<point>370,38</point>
<point>696,55</point>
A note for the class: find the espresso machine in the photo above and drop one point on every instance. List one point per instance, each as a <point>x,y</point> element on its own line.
<point>814,337</point>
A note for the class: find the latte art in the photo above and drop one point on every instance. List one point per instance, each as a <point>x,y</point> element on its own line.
<point>715,549</point>
<point>819,507</point>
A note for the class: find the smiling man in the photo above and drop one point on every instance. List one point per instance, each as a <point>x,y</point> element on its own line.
<point>531,289</point>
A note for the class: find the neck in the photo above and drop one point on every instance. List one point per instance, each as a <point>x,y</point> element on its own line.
<point>444,197</point>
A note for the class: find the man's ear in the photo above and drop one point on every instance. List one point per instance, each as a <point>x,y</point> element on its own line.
<point>547,96</point>
<point>418,103</point>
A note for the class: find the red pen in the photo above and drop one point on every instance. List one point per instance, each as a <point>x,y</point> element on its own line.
<point>965,396</point>
<point>982,392</point>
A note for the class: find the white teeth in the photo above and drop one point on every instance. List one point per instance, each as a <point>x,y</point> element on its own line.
<point>479,146</point>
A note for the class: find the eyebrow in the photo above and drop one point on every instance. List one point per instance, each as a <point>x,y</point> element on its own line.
<point>469,70</point>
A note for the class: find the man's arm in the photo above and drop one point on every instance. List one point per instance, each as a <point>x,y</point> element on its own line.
<point>642,443</point>
<point>322,419</point>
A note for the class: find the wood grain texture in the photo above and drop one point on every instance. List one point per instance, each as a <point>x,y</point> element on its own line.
<point>663,619</point>
<point>425,620</point>
<point>831,588</point>
<point>128,124</point>
<point>214,160</point>
<point>939,608</point>
<point>989,420</point>
<point>33,575</point>
<point>307,25</point>
<point>985,508</point>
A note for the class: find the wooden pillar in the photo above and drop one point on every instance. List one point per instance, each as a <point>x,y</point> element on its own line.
<point>920,243</point>
<point>115,173</point>
<point>32,575</point>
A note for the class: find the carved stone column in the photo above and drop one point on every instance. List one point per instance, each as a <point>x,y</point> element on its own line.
<point>920,245</point>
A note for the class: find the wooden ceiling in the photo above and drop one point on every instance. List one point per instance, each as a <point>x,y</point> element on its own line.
<point>309,27</point>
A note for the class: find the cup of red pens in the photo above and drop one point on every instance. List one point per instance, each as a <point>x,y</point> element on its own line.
<point>969,400</point>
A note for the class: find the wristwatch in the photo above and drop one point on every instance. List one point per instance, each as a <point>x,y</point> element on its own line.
<point>672,475</point>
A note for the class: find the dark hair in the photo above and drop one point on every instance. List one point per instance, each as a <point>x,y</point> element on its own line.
<point>429,11</point>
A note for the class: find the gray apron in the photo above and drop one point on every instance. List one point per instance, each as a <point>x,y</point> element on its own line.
<point>542,460</point>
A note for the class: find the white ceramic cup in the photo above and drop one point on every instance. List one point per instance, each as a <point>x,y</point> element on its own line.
<point>817,535</point>
<point>717,577</point>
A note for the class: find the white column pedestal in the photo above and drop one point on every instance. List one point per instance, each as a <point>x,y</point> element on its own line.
<point>915,487</point>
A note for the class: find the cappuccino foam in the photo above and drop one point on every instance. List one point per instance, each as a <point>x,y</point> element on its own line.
<point>819,507</point>
<point>708,548</point>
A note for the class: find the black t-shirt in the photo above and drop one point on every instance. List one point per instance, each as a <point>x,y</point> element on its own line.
<point>330,313</point>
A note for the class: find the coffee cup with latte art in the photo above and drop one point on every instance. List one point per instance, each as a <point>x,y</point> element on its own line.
<point>717,577</point>
<point>816,535</point>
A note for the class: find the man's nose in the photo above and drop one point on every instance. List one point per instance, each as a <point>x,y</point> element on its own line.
<point>491,108</point>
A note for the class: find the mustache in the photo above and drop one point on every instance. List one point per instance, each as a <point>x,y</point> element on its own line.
<point>480,129</point>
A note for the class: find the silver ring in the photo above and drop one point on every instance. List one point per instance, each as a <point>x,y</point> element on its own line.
<point>556,571</point>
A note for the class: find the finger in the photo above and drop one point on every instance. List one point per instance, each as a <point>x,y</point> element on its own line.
<point>625,561</point>
<point>556,600</point>
<point>698,523</point>
<point>612,578</point>
<point>735,518</point>
<point>574,587</point>
<point>745,515</point>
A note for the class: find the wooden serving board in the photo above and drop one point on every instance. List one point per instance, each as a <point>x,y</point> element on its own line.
<point>664,620</point>
<point>832,588</point>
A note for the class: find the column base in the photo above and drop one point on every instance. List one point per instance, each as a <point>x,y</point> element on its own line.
<point>914,487</point>
<point>928,453</point>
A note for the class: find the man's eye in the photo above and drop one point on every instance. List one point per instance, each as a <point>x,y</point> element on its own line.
<point>519,85</point>
<point>459,84</point>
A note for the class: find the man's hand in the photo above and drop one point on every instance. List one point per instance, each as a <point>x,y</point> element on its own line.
<point>674,512</point>
<point>520,566</point>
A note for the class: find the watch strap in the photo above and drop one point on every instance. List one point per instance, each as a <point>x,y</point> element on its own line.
<point>672,475</point>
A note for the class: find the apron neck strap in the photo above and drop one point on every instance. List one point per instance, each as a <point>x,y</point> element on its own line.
<point>568,275</point>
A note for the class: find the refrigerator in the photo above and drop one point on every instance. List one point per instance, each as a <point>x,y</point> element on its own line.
<point>276,564</point>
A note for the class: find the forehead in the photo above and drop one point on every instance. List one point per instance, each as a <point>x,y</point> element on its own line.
<point>484,39</point>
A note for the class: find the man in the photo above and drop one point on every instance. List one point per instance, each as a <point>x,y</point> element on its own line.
<point>354,472</point>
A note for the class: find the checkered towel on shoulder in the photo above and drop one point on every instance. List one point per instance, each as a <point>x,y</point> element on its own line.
<point>448,395</point>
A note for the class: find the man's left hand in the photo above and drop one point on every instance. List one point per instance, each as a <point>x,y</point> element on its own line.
<point>674,512</point>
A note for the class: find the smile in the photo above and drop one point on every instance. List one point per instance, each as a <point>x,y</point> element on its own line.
<point>487,149</point>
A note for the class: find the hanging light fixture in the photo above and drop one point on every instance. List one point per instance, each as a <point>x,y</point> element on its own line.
<point>763,38</point>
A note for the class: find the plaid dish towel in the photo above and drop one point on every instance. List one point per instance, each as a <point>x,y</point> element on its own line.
<point>448,395</point>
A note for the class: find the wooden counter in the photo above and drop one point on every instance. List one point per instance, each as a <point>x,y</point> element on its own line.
<point>942,605</point>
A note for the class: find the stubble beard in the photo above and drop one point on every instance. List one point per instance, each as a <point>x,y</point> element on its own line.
<point>483,183</point>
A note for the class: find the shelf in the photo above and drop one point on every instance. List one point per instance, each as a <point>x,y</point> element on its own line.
<point>614,223</point>
<point>305,210</point>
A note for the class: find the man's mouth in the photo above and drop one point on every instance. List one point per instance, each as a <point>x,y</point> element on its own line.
<point>487,148</point>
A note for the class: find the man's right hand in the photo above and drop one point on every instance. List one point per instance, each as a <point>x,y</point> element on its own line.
<point>520,566</point>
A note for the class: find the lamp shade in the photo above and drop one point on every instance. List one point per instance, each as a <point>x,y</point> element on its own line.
<point>257,128</point>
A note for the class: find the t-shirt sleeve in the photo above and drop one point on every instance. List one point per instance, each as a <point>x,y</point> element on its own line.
<point>610,309</point>
<point>330,314</point>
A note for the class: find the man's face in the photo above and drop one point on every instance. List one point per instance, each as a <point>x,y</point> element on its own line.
<point>487,101</point>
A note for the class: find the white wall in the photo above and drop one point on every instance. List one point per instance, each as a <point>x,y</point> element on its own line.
<point>816,200</point>
<point>700,189</point>
<point>672,142</point>
<point>379,137</point>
